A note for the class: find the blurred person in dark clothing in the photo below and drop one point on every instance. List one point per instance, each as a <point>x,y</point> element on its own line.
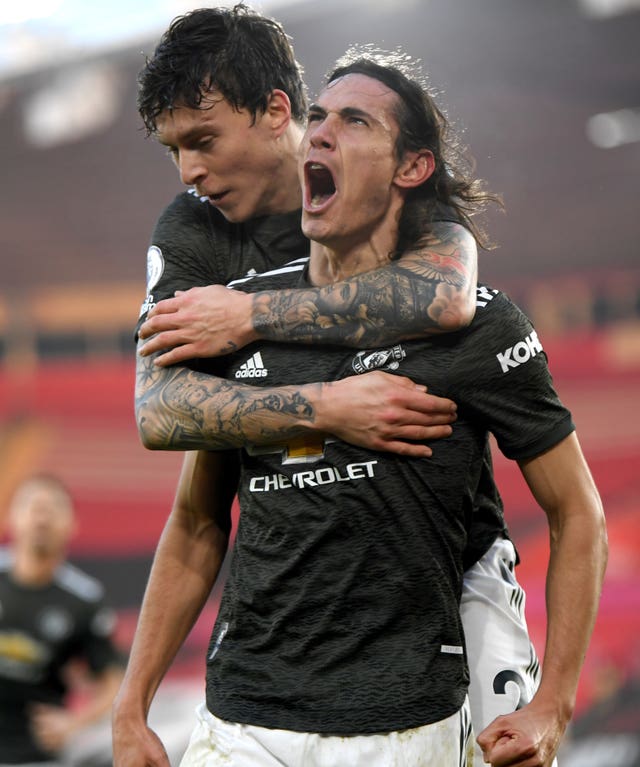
<point>51,614</point>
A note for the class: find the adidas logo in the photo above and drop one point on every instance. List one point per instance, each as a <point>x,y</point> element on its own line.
<point>252,368</point>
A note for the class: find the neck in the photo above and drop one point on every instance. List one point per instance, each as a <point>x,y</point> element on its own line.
<point>339,255</point>
<point>287,192</point>
<point>328,265</point>
<point>334,260</point>
<point>34,569</point>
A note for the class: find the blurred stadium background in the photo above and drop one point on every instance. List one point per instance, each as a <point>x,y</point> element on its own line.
<point>548,93</point>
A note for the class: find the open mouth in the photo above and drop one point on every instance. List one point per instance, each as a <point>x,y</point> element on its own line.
<point>320,186</point>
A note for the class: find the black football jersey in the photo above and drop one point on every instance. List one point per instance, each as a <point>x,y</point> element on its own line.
<point>341,612</point>
<point>41,630</point>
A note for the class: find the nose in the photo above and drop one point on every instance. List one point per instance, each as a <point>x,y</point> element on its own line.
<point>192,169</point>
<point>322,134</point>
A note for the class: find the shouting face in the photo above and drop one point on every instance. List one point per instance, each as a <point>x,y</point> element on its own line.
<point>349,163</point>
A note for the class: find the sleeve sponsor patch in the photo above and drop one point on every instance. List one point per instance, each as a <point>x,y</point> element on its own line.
<point>520,353</point>
<point>155,267</point>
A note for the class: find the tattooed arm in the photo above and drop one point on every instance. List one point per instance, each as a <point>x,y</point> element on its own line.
<point>431,291</point>
<point>424,292</point>
<point>180,409</point>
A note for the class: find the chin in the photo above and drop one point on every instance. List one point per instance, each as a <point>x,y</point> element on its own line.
<point>235,214</point>
<point>315,230</point>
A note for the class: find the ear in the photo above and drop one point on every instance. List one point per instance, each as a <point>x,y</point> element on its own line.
<point>415,168</point>
<point>278,111</point>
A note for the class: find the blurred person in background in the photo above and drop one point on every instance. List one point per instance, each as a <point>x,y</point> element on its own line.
<point>53,622</point>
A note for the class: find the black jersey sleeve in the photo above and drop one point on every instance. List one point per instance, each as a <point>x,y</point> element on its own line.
<point>501,378</point>
<point>98,645</point>
<point>95,620</point>
<point>189,248</point>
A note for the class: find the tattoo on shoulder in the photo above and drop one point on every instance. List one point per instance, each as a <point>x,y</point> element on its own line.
<point>449,255</point>
<point>408,298</point>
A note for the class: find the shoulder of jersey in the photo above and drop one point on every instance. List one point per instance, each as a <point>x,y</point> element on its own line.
<point>490,300</point>
<point>296,265</point>
<point>485,295</point>
<point>80,584</point>
<point>191,205</point>
<point>191,198</point>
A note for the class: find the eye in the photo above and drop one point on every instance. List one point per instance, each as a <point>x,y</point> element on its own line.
<point>172,152</point>
<point>353,120</point>
<point>205,144</point>
<point>314,117</point>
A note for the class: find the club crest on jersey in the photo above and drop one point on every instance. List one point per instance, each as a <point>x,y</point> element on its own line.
<point>379,359</point>
<point>55,623</point>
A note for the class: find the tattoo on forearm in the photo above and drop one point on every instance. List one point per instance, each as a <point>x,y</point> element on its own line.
<point>181,409</point>
<point>408,298</point>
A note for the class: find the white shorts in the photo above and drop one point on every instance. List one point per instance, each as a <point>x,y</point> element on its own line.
<point>215,743</point>
<point>503,667</point>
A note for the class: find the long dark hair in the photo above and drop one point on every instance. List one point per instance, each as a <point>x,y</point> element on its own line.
<point>243,55</point>
<point>423,125</point>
